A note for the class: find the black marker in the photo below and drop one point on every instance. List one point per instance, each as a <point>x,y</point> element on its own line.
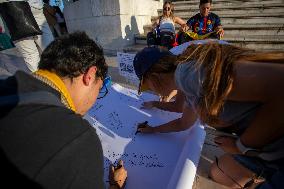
<point>141,125</point>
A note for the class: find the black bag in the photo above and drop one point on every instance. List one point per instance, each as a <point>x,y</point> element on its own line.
<point>19,19</point>
<point>167,39</point>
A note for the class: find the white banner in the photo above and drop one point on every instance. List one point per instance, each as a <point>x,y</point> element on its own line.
<point>153,161</point>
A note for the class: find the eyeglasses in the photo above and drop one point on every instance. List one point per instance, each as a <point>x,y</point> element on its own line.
<point>106,83</point>
<point>167,8</point>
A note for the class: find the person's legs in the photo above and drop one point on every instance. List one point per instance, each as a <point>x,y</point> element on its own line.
<point>63,28</point>
<point>31,47</point>
<point>167,39</point>
<point>57,29</point>
<point>27,47</point>
<point>46,37</point>
<point>229,172</point>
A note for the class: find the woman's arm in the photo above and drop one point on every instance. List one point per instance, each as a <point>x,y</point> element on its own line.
<point>175,106</point>
<point>185,122</point>
<point>264,83</point>
<point>181,22</point>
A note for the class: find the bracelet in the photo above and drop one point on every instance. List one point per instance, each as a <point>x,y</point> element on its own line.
<point>242,147</point>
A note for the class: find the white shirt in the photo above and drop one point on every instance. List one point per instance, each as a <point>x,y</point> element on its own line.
<point>38,4</point>
<point>167,25</point>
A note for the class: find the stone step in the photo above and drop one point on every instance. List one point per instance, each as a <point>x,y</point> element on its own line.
<point>260,46</point>
<point>243,29</point>
<point>254,30</point>
<point>134,48</point>
<point>252,19</point>
<point>279,39</point>
<point>267,42</point>
<point>256,18</point>
<point>247,10</point>
<point>256,24</point>
<point>229,7</point>
<point>227,2</point>
<point>250,38</point>
<point>187,15</point>
<point>268,10</point>
<point>257,46</point>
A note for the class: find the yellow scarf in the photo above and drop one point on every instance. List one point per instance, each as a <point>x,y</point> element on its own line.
<point>55,82</point>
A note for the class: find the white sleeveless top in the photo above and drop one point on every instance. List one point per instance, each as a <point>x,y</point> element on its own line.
<point>167,25</point>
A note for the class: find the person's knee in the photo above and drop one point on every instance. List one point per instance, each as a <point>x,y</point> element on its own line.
<point>213,172</point>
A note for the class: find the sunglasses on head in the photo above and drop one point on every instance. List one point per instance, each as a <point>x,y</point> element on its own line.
<point>167,8</point>
<point>104,90</point>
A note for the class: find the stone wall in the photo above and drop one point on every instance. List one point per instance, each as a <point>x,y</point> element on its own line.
<point>112,23</point>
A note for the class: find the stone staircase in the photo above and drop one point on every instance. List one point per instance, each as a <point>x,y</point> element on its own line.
<point>256,24</point>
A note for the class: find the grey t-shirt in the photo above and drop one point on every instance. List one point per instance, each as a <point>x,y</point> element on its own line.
<point>189,79</point>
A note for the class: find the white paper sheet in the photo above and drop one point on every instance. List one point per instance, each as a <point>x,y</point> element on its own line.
<point>125,67</point>
<point>153,161</point>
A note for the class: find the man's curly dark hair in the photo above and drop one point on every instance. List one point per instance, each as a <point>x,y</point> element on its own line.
<point>72,55</point>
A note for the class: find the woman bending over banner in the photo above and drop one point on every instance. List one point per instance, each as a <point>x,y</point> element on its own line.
<point>232,89</point>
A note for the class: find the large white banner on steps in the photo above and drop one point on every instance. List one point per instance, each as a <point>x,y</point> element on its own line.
<point>153,161</point>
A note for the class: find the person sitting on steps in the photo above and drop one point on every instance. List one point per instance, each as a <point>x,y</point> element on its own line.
<point>204,25</point>
<point>163,33</point>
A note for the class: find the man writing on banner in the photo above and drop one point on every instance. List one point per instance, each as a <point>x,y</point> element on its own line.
<point>44,141</point>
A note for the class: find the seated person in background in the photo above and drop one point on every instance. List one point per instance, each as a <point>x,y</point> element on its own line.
<point>44,141</point>
<point>229,88</point>
<point>203,25</point>
<point>164,28</point>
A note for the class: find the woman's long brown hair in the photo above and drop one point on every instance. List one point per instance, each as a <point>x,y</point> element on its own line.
<point>218,61</point>
<point>172,10</point>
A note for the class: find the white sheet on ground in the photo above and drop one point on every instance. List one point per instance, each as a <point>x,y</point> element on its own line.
<point>153,161</point>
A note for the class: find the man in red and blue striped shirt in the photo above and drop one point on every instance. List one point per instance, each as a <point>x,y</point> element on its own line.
<point>205,21</point>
